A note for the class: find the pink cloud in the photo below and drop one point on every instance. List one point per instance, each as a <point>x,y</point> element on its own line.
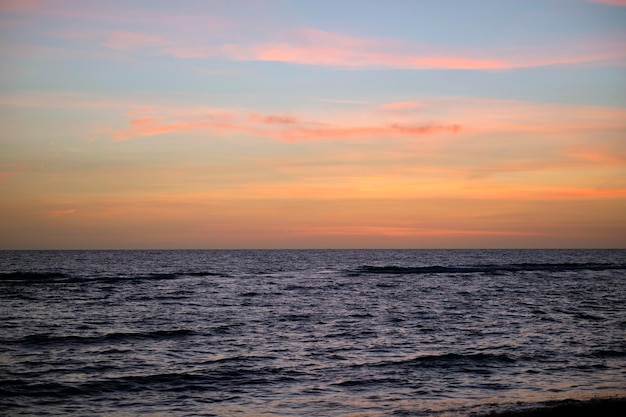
<point>190,36</point>
<point>22,6</point>
<point>144,121</point>
<point>327,131</point>
<point>426,129</point>
<point>611,2</point>
<point>340,56</point>
<point>273,119</point>
<point>402,105</point>
<point>293,129</point>
<point>446,116</point>
<point>147,116</point>
<point>110,12</point>
<point>307,46</point>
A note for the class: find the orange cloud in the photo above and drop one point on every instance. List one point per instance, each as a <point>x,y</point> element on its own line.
<point>373,131</point>
<point>324,131</point>
<point>57,213</point>
<point>448,115</point>
<point>8,174</point>
<point>147,127</point>
<point>399,231</point>
<point>11,170</point>
<point>393,186</point>
<point>471,117</point>
<point>144,121</point>
<point>279,127</point>
<point>604,153</point>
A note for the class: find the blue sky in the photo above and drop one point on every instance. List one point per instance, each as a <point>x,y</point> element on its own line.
<point>269,123</point>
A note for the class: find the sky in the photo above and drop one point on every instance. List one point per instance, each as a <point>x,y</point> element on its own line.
<point>312,124</point>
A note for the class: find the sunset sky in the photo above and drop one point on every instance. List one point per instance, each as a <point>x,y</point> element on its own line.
<point>312,124</point>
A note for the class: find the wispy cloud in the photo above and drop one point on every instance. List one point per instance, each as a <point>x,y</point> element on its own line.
<point>604,153</point>
<point>407,231</point>
<point>11,170</point>
<point>132,41</point>
<point>308,46</point>
<point>610,2</point>
<point>21,6</point>
<point>150,116</point>
<point>401,105</point>
<point>4,175</point>
<point>64,212</point>
<point>280,127</point>
<point>150,126</point>
<point>343,101</point>
<point>280,119</point>
<point>209,35</point>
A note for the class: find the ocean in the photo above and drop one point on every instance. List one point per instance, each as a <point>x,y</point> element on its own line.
<point>308,332</point>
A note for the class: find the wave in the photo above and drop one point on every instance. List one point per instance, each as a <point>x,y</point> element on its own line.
<point>446,359</point>
<point>18,277</point>
<point>609,407</point>
<point>48,339</point>
<point>172,381</point>
<point>488,269</point>
<point>33,276</point>
<point>609,353</point>
<point>369,382</point>
<point>223,378</point>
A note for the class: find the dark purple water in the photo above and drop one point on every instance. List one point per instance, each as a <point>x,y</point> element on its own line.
<point>308,333</point>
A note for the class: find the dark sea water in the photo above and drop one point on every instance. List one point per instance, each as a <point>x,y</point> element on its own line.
<point>308,333</point>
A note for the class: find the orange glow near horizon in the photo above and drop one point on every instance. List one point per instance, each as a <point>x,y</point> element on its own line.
<point>414,186</point>
<point>208,126</point>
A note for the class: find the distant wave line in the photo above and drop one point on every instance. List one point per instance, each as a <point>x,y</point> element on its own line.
<point>493,269</point>
<point>28,276</point>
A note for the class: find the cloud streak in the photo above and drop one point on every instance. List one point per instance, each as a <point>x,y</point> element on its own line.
<point>313,47</point>
<point>611,2</point>
<point>279,127</point>
<point>132,41</point>
<point>208,35</point>
<point>149,116</point>
<point>401,105</point>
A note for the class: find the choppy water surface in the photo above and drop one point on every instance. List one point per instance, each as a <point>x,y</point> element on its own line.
<point>308,333</point>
